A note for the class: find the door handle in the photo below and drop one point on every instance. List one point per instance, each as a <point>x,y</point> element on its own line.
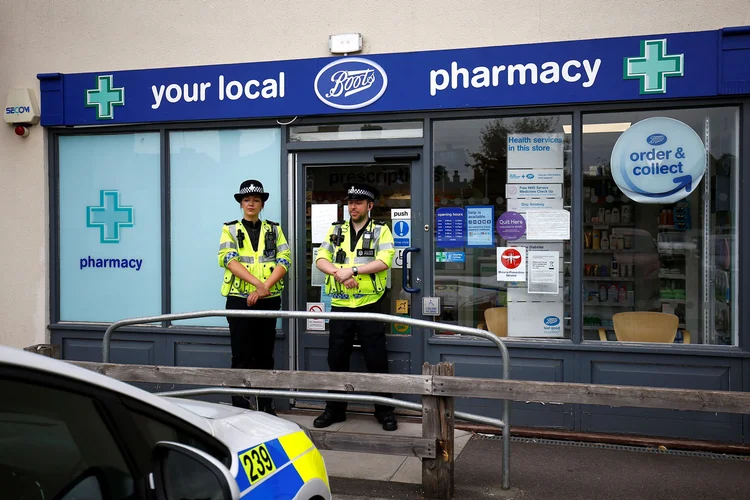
<point>406,276</point>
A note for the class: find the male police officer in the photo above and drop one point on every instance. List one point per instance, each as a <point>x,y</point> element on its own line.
<point>356,256</point>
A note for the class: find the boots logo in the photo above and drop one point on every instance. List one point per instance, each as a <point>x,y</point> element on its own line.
<point>350,83</point>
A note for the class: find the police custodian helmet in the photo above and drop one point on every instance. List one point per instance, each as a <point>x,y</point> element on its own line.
<point>251,187</point>
<point>361,192</point>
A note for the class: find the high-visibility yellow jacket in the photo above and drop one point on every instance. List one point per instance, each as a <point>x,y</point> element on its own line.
<point>273,250</point>
<point>378,246</point>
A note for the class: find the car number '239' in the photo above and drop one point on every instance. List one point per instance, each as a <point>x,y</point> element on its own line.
<point>257,463</point>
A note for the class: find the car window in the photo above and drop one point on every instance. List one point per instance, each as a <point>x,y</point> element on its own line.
<point>52,439</point>
<point>155,427</point>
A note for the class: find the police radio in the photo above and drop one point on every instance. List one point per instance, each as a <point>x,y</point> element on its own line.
<point>337,238</point>
<point>240,238</point>
<point>270,246</point>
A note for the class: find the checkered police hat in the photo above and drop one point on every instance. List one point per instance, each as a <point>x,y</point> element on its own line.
<point>361,192</point>
<point>251,187</point>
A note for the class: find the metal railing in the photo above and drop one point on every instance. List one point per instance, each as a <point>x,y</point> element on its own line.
<point>386,318</point>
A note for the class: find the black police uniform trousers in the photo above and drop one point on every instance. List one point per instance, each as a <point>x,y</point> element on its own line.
<point>252,341</point>
<point>371,336</point>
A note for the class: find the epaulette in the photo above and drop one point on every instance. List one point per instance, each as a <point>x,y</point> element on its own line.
<point>379,222</point>
<point>272,223</point>
<point>338,223</point>
<point>235,221</point>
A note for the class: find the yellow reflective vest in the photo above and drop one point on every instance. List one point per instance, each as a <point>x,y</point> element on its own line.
<point>273,250</point>
<point>376,243</point>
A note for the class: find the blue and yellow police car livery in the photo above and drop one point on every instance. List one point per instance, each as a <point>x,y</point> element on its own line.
<point>272,458</point>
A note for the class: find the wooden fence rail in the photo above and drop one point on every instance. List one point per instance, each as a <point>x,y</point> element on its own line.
<point>436,385</point>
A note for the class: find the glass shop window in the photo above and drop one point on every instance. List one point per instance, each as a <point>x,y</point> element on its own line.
<point>660,226</point>
<point>502,224</point>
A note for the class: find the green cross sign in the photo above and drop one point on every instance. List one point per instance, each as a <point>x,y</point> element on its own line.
<point>109,216</point>
<point>654,66</point>
<point>104,98</point>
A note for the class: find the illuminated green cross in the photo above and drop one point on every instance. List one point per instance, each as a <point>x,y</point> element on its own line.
<point>654,66</point>
<point>104,98</point>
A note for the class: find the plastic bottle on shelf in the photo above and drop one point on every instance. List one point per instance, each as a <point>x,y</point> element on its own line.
<point>612,293</point>
<point>605,241</point>
<point>615,217</point>
<point>626,214</point>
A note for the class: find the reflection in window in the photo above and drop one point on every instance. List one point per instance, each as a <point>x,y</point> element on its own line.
<point>206,169</point>
<point>483,169</point>
<point>677,261</point>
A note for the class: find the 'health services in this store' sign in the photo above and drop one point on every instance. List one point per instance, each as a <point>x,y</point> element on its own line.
<point>658,160</point>
<point>535,150</point>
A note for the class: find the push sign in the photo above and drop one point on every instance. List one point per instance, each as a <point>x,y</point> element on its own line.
<point>658,160</point>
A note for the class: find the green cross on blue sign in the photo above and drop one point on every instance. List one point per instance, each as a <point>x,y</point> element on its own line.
<point>654,66</point>
<point>109,216</point>
<point>104,98</point>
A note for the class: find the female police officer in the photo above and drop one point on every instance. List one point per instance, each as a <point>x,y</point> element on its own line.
<point>255,256</point>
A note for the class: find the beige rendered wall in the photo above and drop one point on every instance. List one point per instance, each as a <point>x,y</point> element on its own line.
<point>68,36</point>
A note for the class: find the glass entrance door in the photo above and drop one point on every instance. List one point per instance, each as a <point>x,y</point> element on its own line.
<point>323,180</point>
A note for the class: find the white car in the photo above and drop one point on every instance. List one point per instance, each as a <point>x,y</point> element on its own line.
<point>67,433</point>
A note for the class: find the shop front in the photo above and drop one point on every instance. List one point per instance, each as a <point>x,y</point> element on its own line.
<point>581,199</point>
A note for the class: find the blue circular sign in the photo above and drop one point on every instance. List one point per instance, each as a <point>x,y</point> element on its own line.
<point>401,228</point>
<point>658,160</point>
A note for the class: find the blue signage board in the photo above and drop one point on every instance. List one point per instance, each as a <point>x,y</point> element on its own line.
<point>450,227</point>
<point>401,233</point>
<point>459,257</point>
<point>671,66</point>
<point>480,221</point>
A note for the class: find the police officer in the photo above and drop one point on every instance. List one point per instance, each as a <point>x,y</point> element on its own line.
<point>356,256</point>
<point>255,256</point>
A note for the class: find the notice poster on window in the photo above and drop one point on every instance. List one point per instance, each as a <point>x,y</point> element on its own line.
<point>317,277</point>
<point>322,216</point>
<point>547,225</point>
<point>543,272</point>
<point>524,204</point>
<point>450,228</point>
<point>511,264</point>
<point>479,221</point>
<point>316,324</point>
<point>541,150</point>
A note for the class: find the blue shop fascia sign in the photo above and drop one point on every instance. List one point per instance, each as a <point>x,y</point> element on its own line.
<point>679,65</point>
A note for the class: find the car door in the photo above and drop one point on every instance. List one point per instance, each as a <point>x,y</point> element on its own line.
<point>61,438</point>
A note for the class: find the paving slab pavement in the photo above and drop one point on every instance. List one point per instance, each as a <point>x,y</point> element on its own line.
<point>373,466</point>
<point>574,472</point>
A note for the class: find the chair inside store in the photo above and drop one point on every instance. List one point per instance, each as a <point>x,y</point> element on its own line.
<point>645,327</point>
<point>496,319</point>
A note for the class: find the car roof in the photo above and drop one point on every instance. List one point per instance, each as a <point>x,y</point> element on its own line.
<point>17,357</point>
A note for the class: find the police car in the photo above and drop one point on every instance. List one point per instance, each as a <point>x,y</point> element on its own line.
<point>67,433</point>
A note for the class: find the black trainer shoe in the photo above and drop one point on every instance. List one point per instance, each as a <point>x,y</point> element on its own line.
<point>326,419</point>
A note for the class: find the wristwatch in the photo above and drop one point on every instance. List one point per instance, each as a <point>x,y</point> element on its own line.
<point>355,271</point>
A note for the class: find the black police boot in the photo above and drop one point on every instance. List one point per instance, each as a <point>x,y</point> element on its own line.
<point>328,418</point>
<point>388,421</point>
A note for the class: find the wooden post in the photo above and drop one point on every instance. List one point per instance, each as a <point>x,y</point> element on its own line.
<point>437,423</point>
<point>49,350</point>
